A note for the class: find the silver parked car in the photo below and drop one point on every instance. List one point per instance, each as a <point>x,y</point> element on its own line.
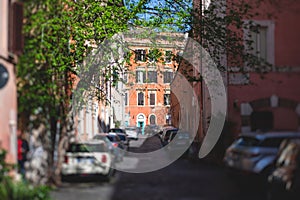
<point>179,142</point>
<point>256,153</point>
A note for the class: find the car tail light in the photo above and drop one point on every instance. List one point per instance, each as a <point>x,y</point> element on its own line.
<point>66,159</point>
<point>229,152</point>
<point>104,159</point>
<point>115,144</point>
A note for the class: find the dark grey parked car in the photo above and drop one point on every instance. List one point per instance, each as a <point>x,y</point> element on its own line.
<point>168,134</point>
<point>179,142</point>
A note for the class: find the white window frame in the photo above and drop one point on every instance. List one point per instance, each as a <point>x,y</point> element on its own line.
<point>141,70</point>
<point>148,58</point>
<point>152,69</point>
<point>167,70</point>
<point>270,40</point>
<point>137,98</point>
<point>152,114</point>
<point>166,56</point>
<point>169,93</point>
<point>149,99</point>
<point>145,55</point>
<point>126,98</point>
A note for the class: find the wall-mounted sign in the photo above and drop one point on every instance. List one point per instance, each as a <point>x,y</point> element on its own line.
<point>4,76</point>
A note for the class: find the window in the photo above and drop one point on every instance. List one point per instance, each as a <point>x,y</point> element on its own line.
<point>125,77</point>
<point>247,141</point>
<point>85,148</point>
<point>152,119</point>
<point>259,39</point>
<point>272,142</point>
<point>261,33</point>
<point>140,76</point>
<point>16,38</point>
<point>168,76</point>
<point>262,120</point>
<point>152,99</point>
<point>151,56</point>
<point>141,99</point>
<point>152,76</point>
<point>168,56</point>
<point>166,99</point>
<point>154,55</point>
<point>140,55</point>
<point>126,99</point>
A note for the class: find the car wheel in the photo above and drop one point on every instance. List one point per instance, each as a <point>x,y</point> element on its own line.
<point>266,173</point>
<point>110,174</point>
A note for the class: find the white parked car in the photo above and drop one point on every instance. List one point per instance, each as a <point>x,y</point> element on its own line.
<point>132,132</point>
<point>88,158</point>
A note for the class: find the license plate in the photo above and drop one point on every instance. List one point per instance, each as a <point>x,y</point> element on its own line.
<point>85,160</point>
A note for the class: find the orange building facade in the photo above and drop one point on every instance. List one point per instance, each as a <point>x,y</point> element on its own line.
<point>147,91</point>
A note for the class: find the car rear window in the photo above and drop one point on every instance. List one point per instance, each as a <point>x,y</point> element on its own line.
<point>113,138</point>
<point>169,132</point>
<point>83,148</point>
<point>247,141</point>
<point>122,137</point>
<point>99,137</point>
<point>116,130</point>
<point>271,142</point>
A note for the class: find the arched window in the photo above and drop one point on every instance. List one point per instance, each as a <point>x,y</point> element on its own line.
<point>152,119</point>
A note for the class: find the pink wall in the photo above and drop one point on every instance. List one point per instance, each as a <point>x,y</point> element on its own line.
<point>282,84</point>
<point>8,96</point>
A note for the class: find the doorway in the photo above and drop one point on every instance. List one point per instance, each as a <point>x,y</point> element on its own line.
<point>141,122</point>
<point>262,120</point>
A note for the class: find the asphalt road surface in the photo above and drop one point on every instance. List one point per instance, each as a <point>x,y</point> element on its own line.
<point>182,180</point>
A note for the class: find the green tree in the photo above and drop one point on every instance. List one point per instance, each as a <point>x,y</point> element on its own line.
<point>57,34</point>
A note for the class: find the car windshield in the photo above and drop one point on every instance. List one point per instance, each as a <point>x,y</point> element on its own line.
<point>82,148</point>
<point>247,141</point>
<point>272,142</point>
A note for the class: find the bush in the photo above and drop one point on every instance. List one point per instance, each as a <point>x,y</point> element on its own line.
<point>3,166</point>
<point>10,190</point>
